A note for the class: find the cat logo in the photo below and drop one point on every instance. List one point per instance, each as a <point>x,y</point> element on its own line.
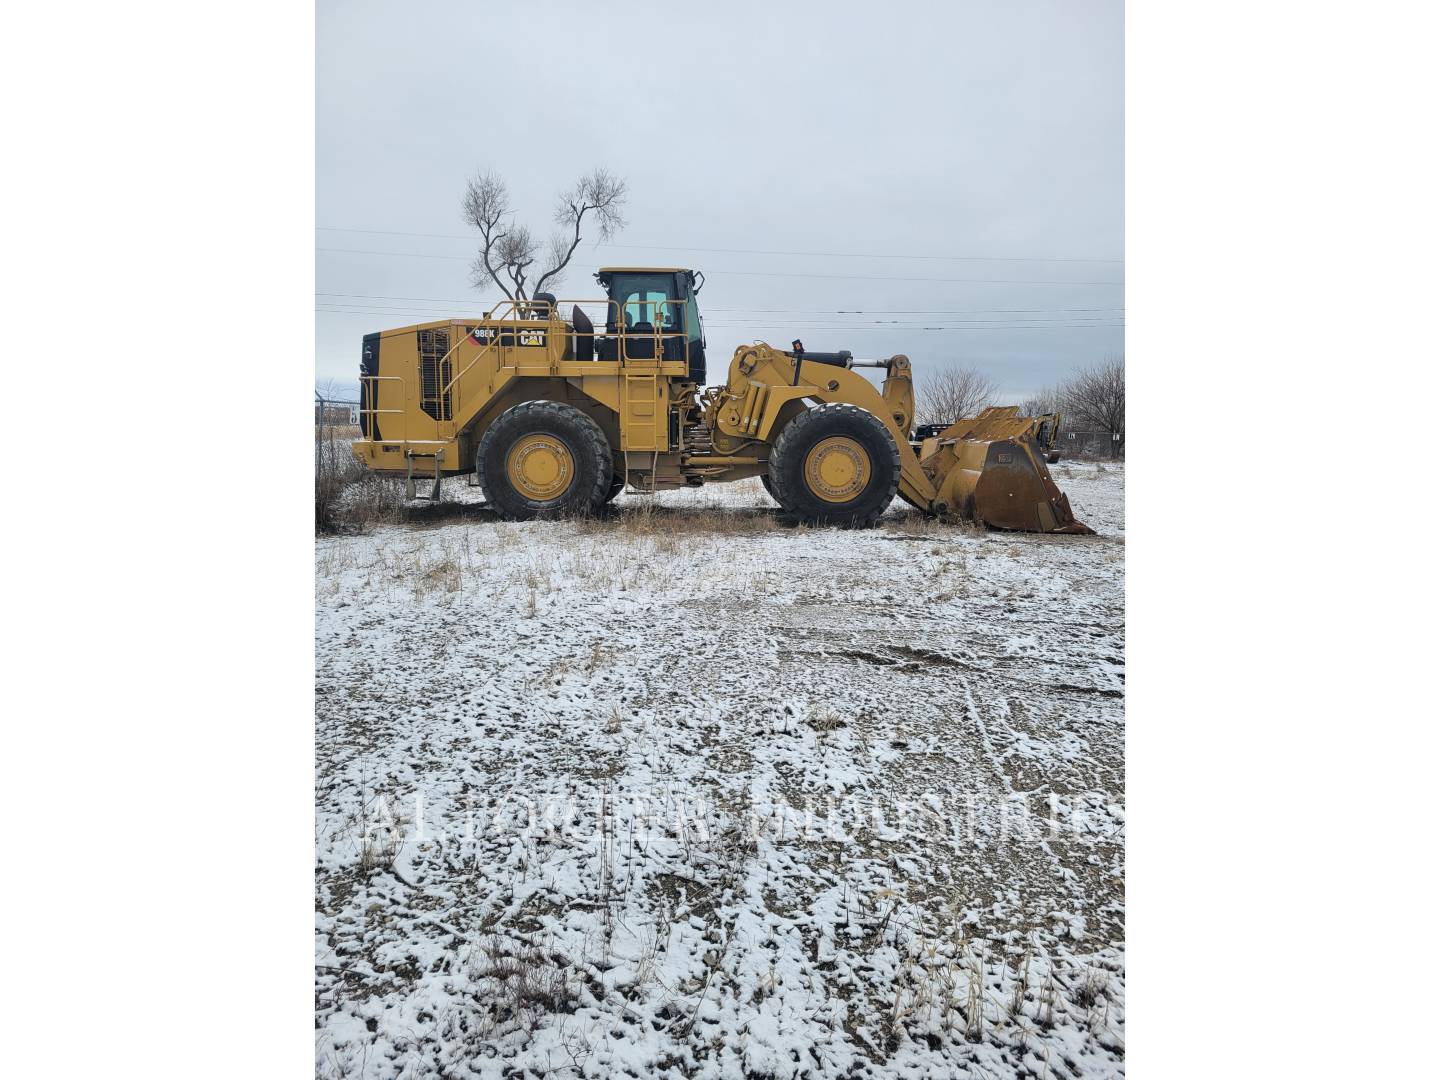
<point>532,338</point>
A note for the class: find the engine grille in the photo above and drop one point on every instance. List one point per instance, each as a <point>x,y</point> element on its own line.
<point>435,373</point>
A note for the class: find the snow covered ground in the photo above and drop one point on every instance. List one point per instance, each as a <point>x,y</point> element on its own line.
<point>686,792</point>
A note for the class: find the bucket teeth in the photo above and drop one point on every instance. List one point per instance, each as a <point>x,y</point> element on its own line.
<point>992,469</point>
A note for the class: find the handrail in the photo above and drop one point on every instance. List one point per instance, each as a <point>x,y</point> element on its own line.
<point>374,428</point>
<point>658,336</point>
<point>488,317</point>
<point>532,311</point>
<point>488,346</point>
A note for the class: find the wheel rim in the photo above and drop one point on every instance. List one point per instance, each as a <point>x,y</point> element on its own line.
<point>837,469</point>
<point>540,467</point>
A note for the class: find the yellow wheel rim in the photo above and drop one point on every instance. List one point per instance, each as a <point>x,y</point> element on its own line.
<point>540,467</point>
<point>837,469</point>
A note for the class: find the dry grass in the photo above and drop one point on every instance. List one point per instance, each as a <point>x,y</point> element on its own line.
<point>351,499</point>
<point>823,718</point>
<point>335,475</point>
<point>521,984</point>
<point>660,522</point>
<point>370,500</point>
<point>378,852</point>
<point>914,525</point>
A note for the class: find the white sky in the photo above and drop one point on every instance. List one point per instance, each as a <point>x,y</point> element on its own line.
<point>986,129</point>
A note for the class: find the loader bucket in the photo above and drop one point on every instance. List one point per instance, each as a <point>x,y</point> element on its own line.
<point>992,469</point>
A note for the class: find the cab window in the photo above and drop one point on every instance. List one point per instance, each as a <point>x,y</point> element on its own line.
<point>642,299</point>
<point>648,307</point>
<point>695,332</point>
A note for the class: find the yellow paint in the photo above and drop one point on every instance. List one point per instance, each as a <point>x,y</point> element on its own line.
<point>540,467</point>
<point>837,469</point>
<point>666,432</point>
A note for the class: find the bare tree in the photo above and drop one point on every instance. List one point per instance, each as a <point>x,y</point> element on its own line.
<point>337,390</point>
<point>486,206</point>
<point>1042,402</point>
<point>1095,398</point>
<point>946,396</point>
<point>509,251</point>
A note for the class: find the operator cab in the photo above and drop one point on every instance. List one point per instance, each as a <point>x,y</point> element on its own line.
<point>652,307</point>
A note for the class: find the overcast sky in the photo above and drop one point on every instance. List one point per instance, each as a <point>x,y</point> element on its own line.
<point>894,159</point>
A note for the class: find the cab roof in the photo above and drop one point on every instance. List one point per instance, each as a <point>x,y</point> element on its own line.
<point>643,270</point>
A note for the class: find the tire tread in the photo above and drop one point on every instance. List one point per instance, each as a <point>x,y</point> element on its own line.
<point>575,425</point>
<point>796,439</point>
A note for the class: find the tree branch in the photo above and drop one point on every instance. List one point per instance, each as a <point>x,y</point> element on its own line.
<point>508,254</point>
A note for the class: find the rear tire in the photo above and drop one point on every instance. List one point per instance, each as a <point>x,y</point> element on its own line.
<point>544,459</point>
<point>835,465</point>
<point>617,485</point>
<point>769,486</point>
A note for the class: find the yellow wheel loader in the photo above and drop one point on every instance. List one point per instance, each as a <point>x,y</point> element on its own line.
<point>554,416</point>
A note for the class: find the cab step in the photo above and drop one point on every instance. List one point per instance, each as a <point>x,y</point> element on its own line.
<point>411,456</point>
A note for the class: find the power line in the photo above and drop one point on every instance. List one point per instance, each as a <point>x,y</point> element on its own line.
<point>739,316</point>
<point>770,311</point>
<point>749,251</point>
<point>753,273</point>
<point>892,328</point>
<point>911,311</point>
<point>733,321</point>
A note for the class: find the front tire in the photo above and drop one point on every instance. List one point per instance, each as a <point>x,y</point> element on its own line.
<point>544,459</point>
<point>835,465</point>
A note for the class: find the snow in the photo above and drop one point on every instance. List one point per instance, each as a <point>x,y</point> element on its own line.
<point>686,792</point>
